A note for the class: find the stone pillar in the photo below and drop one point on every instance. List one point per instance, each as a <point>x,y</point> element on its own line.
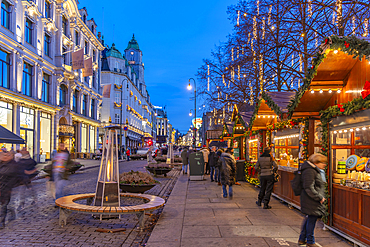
<point>13,72</point>
<point>88,138</point>
<point>16,121</point>
<point>36,135</point>
<point>78,135</point>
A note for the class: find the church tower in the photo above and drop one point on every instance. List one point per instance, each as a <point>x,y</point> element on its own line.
<point>135,58</point>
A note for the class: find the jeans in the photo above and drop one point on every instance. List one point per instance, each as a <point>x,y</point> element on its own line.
<point>217,174</point>
<point>267,185</point>
<point>213,173</point>
<point>59,185</point>
<point>185,168</point>
<point>308,227</point>
<point>225,191</point>
<point>128,157</point>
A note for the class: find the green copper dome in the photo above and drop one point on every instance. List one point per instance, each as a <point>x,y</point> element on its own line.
<point>114,52</point>
<point>133,43</point>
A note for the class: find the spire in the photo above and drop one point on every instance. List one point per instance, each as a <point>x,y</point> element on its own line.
<point>133,43</point>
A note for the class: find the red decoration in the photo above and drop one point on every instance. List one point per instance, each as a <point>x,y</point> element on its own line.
<point>346,44</point>
<point>340,106</point>
<point>326,41</point>
<point>366,90</point>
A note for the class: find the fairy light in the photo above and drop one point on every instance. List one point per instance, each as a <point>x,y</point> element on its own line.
<point>223,79</point>
<point>255,27</point>
<point>261,72</point>
<point>312,91</point>
<point>243,49</point>
<point>286,137</point>
<point>238,72</point>
<point>232,71</point>
<point>299,83</point>
<point>292,59</point>
<point>237,52</point>
<point>366,24</point>
<point>338,91</point>
<point>321,91</point>
<point>330,91</point>
<point>309,8</point>
<point>253,140</point>
<point>316,42</point>
<point>300,62</point>
<point>335,131</point>
<point>363,128</point>
<point>334,17</point>
<point>345,131</point>
<point>263,27</point>
<point>258,7</point>
<point>351,130</point>
<point>249,39</point>
<point>232,54</point>
<point>269,15</point>
<point>357,129</point>
<point>340,131</point>
<point>237,21</point>
<point>353,24</point>
<point>335,51</point>
<point>339,13</point>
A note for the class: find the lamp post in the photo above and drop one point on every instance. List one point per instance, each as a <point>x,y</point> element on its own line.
<point>120,133</point>
<point>195,110</point>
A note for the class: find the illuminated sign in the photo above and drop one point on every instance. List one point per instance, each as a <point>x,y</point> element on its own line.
<point>197,122</point>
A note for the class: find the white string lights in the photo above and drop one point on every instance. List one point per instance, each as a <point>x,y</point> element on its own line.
<point>269,15</point>
<point>261,72</point>
<point>351,129</point>
<point>238,20</point>
<point>316,42</point>
<point>252,140</point>
<point>223,79</point>
<point>366,24</point>
<point>353,24</point>
<point>232,54</point>
<point>292,59</point>
<point>309,8</point>
<point>208,79</point>
<point>300,62</point>
<point>258,7</point>
<point>339,13</point>
<point>286,137</point>
<point>238,72</point>
<point>263,27</point>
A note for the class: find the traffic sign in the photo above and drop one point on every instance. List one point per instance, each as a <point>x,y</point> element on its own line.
<point>125,128</point>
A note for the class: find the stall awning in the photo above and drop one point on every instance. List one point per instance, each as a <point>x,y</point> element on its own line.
<point>7,136</point>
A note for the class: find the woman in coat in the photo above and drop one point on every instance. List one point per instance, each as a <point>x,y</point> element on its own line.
<point>312,196</point>
<point>266,166</point>
<point>185,160</point>
<point>228,170</point>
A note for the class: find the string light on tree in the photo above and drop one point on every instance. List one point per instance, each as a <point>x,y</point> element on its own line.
<point>353,24</point>
<point>237,21</point>
<point>258,7</point>
<point>299,83</point>
<point>309,8</point>
<point>238,72</point>
<point>261,72</point>
<point>316,43</point>
<point>292,59</point>
<point>339,13</point>
<point>366,24</point>
<point>300,62</point>
<point>237,52</point>
<point>334,17</point>
<point>255,27</point>
<point>232,54</point>
<point>223,80</point>
<point>263,27</point>
<point>269,15</point>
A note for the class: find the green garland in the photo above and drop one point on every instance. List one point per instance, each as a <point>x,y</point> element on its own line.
<point>254,115</point>
<point>249,166</point>
<point>358,48</point>
<point>270,103</point>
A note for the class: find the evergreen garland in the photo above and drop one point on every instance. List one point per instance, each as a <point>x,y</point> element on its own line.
<point>250,171</point>
<point>270,103</point>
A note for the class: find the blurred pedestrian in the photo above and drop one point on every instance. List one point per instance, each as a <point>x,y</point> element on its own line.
<point>228,169</point>
<point>185,160</point>
<point>27,164</point>
<point>205,153</point>
<point>128,154</point>
<point>265,166</point>
<point>10,176</point>
<point>312,196</point>
<point>218,165</point>
<point>212,160</point>
<point>60,170</point>
<point>17,155</point>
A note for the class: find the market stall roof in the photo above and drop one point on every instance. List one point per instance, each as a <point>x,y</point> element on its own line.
<point>7,136</point>
<point>330,75</point>
<point>270,105</point>
<point>227,130</point>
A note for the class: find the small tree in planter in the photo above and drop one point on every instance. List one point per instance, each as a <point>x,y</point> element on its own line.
<point>136,182</point>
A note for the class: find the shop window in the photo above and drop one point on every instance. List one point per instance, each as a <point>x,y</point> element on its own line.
<point>64,25</point>
<point>318,135</point>
<point>5,14</point>
<point>47,9</point>
<point>92,139</point>
<point>362,137</point>
<point>117,118</point>
<point>84,105</point>
<point>47,44</point>
<point>92,108</point>
<point>86,47</point>
<point>83,138</point>
<point>27,79</point>
<point>28,33</point>
<point>45,135</point>
<point>75,101</point>
<point>27,119</point>
<point>5,68</point>
<point>6,119</point>
<point>286,150</point>
<point>45,88</point>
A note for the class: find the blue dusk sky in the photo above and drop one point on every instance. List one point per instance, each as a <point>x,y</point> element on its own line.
<point>174,37</point>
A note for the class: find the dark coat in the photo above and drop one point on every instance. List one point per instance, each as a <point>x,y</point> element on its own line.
<point>313,190</point>
<point>185,157</point>
<point>218,162</point>
<point>228,169</point>
<point>27,163</point>
<point>265,165</point>
<point>10,175</point>
<point>212,159</point>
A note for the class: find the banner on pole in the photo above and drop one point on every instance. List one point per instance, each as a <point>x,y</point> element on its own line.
<point>106,91</point>
<point>88,67</point>
<point>78,59</point>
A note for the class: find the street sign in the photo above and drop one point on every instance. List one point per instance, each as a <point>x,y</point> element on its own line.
<point>125,128</point>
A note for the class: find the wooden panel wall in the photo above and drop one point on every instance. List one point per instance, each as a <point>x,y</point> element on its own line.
<point>283,188</point>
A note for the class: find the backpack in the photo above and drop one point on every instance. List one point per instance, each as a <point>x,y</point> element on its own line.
<point>296,183</point>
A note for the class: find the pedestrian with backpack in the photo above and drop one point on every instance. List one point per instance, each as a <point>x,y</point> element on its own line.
<point>266,165</point>
<point>312,196</point>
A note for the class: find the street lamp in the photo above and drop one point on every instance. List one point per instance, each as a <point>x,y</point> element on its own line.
<point>195,110</point>
<point>120,133</point>
<point>190,113</point>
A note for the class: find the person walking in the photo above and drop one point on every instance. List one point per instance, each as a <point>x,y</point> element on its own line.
<point>60,169</point>
<point>265,166</point>
<point>128,154</point>
<point>185,160</point>
<point>312,196</point>
<point>218,165</point>
<point>228,169</point>
<point>205,153</point>
<point>212,160</point>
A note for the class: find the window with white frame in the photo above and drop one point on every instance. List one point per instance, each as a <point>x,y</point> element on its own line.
<point>5,14</point>
<point>28,31</point>
<point>117,118</point>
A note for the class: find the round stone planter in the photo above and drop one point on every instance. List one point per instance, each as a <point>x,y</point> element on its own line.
<point>158,171</point>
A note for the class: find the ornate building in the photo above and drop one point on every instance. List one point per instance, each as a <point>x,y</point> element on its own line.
<point>42,98</point>
<point>128,102</point>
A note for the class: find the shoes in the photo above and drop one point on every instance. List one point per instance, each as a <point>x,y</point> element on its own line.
<point>212,180</point>
<point>313,245</point>
<point>224,196</point>
<point>301,242</point>
<point>266,206</point>
<point>219,183</point>
<point>258,203</point>
<point>230,197</point>
<point>237,183</point>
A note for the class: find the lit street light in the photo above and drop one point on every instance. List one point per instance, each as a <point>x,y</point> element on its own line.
<point>195,110</point>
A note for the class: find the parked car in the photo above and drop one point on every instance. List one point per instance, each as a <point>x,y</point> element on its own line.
<point>142,151</point>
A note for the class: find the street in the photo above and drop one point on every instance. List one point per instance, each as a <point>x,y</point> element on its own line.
<point>37,225</point>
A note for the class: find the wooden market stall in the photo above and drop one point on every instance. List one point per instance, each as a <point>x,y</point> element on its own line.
<point>334,98</point>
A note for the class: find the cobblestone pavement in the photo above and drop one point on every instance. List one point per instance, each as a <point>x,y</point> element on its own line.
<point>37,224</point>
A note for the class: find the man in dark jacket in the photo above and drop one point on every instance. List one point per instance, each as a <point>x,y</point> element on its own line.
<point>265,166</point>
<point>185,160</point>
<point>312,196</point>
<point>228,170</point>
<point>218,165</point>
<point>212,162</point>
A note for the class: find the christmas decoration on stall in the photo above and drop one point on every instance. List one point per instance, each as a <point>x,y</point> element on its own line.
<point>251,175</point>
<point>351,45</point>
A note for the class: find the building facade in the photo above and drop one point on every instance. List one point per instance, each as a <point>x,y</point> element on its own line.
<point>128,103</point>
<point>163,133</point>
<point>42,98</point>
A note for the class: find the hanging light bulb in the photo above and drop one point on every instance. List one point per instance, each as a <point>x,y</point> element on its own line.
<point>335,131</point>
<point>330,91</point>
<point>312,91</point>
<point>321,91</point>
<point>351,130</point>
<point>335,51</point>
<point>338,91</point>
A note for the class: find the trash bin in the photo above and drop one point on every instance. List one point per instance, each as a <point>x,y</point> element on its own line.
<point>240,170</point>
<point>196,166</point>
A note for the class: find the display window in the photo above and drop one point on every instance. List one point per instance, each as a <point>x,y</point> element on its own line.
<point>6,120</point>
<point>27,121</point>
<point>286,150</point>
<point>83,138</point>
<point>45,135</point>
<point>253,148</point>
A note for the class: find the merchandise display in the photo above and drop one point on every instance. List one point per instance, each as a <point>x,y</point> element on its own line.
<point>351,162</point>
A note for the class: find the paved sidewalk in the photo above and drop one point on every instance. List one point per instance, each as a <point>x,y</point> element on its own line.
<point>197,215</point>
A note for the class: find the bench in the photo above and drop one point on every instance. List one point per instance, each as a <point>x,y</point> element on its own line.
<point>67,205</point>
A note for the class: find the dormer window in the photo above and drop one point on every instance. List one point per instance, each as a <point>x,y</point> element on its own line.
<point>84,19</point>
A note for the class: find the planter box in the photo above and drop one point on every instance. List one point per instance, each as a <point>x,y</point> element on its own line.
<point>137,188</point>
<point>158,170</point>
